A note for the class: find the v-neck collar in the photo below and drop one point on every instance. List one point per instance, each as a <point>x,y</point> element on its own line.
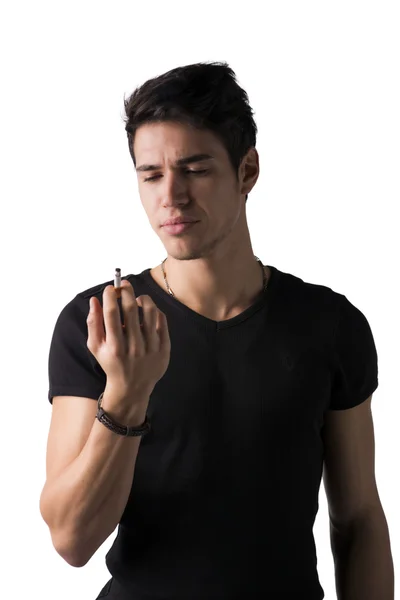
<point>257,305</point>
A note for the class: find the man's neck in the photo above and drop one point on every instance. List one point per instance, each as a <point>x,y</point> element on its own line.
<point>216,297</point>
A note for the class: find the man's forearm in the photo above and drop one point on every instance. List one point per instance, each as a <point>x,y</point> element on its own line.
<point>363,560</point>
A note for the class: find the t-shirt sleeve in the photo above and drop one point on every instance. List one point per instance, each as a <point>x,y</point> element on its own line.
<point>355,359</point>
<point>72,368</point>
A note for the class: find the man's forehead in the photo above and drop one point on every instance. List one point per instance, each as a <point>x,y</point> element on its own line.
<point>175,141</point>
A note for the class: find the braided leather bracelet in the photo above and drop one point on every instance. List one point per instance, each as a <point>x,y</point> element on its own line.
<point>120,429</point>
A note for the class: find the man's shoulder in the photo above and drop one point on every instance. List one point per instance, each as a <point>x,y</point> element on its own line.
<point>79,304</point>
<point>299,290</point>
<point>134,278</point>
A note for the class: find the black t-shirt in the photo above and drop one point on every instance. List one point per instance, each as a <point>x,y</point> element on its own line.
<point>226,484</point>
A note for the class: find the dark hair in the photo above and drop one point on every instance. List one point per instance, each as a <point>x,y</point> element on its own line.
<point>205,95</point>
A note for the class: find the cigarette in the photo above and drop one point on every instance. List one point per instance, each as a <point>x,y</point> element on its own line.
<point>117,282</point>
<point>117,288</point>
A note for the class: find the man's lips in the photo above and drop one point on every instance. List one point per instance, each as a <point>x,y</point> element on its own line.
<point>179,227</point>
<point>178,220</point>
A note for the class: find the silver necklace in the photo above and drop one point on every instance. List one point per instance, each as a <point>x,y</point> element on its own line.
<point>265,279</point>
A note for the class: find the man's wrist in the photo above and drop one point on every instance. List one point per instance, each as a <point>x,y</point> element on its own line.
<point>125,410</point>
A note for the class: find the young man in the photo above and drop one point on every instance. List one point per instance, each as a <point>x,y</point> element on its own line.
<point>254,383</point>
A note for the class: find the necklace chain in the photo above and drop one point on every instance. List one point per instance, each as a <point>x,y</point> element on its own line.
<point>265,279</point>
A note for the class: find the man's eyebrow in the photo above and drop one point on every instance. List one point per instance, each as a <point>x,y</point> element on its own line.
<point>179,163</point>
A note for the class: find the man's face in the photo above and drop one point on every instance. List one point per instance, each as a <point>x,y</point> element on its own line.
<point>207,189</point>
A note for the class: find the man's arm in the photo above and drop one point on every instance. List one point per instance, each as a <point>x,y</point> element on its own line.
<point>359,533</point>
<point>89,472</point>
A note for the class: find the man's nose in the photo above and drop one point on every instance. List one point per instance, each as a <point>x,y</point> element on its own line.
<point>174,188</point>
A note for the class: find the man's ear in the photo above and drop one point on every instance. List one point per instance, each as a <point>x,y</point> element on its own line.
<point>249,171</point>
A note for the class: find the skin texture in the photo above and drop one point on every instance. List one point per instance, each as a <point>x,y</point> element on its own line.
<point>359,532</point>
<point>349,473</point>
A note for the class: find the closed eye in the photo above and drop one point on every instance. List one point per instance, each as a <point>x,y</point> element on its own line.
<point>188,171</point>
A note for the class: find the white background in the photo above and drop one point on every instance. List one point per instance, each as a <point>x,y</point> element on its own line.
<point>323,79</point>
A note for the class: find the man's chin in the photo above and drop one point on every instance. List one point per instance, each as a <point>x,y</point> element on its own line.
<point>183,253</point>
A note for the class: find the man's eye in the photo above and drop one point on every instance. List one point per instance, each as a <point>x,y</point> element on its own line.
<point>198,171</point>
<point>189,171</point>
